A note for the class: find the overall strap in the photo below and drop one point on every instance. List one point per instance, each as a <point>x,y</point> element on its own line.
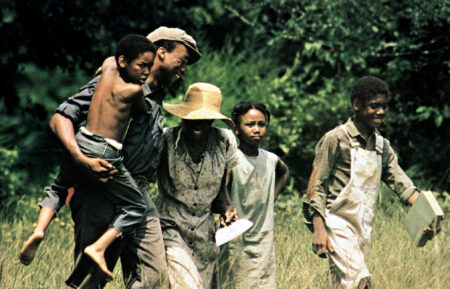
<point>379,143</point>
<point>353,142</point>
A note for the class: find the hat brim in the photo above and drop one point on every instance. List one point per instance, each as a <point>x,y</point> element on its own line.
<point>194,54</point>
<point>186,112</point>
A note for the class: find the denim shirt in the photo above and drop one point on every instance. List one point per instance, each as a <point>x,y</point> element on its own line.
<point>141,143</point>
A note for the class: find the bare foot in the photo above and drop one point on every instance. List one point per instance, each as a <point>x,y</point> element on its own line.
<point>99,259</point>
<point>29,248</point>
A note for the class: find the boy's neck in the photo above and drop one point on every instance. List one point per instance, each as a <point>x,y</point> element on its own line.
<point>123,74</point>
<point>251,151</point>
<point>365,131</point>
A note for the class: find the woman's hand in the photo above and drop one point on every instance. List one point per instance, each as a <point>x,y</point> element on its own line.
<point>228,217</point>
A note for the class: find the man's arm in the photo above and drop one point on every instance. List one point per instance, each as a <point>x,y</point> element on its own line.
<point>281,175</point>
<point>62,127</point>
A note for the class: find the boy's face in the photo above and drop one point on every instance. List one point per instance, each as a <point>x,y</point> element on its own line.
<point>371,112</point>
<point>252,127</point>
<point>138,69</point>
<point>173,64</point>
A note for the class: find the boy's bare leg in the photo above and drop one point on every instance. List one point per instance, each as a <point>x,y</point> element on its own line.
<point>96,251</point>
<point>29,249</point>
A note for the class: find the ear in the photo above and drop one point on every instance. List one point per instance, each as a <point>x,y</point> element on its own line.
<point>122,62</point>
<point>356,104</point>
<point>161,53</point>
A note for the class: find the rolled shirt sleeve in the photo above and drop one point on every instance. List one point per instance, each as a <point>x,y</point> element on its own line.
<point>76,107</point>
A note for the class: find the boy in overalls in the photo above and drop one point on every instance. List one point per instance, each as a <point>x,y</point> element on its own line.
<point>350,161</point>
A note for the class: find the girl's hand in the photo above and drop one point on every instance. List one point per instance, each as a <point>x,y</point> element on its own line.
<point>228,217</point>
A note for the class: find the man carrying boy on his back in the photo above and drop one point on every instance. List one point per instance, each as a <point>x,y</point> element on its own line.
<point>350,161</point>
<point>142,253</point>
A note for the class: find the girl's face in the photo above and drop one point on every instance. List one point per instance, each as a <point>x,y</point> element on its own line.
<point>252,127</point>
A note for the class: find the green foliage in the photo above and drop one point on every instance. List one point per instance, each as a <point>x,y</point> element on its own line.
<point>300,57</point>
<point>10,180</point>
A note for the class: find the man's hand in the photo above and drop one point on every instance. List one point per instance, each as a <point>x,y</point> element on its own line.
<point>99,168</point>
<point>228,217</point>
<point>321,241</point>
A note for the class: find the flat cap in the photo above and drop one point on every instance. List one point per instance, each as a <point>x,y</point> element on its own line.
<point>177,34</point>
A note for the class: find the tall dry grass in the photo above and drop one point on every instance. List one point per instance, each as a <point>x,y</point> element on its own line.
<point>394,262</point>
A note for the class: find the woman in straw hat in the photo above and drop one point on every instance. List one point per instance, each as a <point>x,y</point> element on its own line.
<point>194,161</point>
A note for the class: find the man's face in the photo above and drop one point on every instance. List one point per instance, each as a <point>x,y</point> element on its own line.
<point>371,111</point>
<point>138,69</point>
<point>173,65</point>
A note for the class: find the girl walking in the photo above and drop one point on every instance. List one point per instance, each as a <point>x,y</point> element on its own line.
<point>249,261</point>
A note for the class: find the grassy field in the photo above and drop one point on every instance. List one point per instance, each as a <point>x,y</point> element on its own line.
<point>393,261</point>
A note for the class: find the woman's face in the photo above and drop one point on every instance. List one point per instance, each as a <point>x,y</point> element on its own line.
<point>197,128</point>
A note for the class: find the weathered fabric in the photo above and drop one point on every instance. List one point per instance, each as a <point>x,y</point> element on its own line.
<point>332,160</point>
<point>249,261</point>
<point>182,271</point>
<point>350,218</point>
<point>186,192</point>
<point>121,190</point>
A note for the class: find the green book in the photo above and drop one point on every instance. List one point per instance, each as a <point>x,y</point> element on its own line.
<point>425,212</point>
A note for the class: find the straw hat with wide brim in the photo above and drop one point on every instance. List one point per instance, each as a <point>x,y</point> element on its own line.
<point>202,101</point>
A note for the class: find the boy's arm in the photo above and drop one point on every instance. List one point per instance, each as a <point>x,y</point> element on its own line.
<point>393,175</point>
<point>321,243</point>
<point>281,177</point>
<point>325,158</point>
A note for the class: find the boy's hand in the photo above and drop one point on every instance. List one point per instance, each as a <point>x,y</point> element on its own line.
<point>321,243</point>
<point>431,232</point>
<point>99,168</point>
<point>228,217</point>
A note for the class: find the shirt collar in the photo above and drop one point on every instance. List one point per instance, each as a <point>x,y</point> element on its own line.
<point>354,132</point>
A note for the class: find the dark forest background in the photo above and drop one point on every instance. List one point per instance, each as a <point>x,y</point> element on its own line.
<point>298,57</point>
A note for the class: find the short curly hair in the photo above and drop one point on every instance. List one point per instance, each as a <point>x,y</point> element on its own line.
<point>132,46</point>
<point>367,87</point>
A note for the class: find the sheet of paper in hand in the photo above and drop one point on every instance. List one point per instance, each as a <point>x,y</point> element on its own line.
<point>226,234</point>
<point>425,212</point>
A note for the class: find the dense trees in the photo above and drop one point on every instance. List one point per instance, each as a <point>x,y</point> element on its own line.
<point>299,56</point>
